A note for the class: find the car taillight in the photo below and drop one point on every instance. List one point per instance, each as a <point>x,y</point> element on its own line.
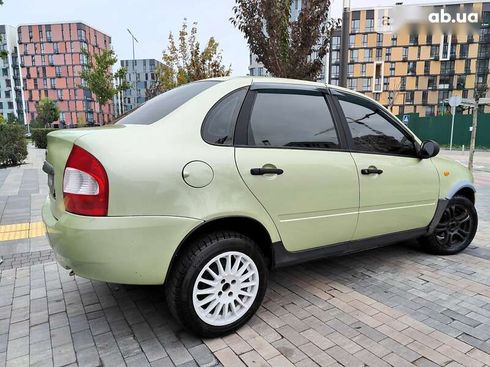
<point>85,184</point>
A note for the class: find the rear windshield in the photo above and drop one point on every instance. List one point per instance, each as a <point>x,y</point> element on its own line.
<point>160,106</point>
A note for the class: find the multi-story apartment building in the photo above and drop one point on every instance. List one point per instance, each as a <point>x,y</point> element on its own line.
<point>416,67</point>
<point>11,93</point>
<point>141,76</point>
<point>256,68</point>
<point>52,59</point>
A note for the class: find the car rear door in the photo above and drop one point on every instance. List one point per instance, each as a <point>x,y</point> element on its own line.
<point>291,155</point>
<point>398,190</point>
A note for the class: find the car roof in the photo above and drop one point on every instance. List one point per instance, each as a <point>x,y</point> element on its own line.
<point>299,82</point>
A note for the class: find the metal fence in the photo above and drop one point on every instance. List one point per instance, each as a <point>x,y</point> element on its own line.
<point>438,128</point>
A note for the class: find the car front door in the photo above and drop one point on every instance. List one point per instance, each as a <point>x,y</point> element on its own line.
<point>398,190</point>
<point>291,156</point>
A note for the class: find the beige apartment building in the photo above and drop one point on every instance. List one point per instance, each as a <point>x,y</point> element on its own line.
<point>415,66</point>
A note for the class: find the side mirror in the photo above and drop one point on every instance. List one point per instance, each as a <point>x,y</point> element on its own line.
<point>429,149</point>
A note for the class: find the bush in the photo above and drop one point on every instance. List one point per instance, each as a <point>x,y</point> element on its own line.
<point>13,144</point>
<point>39,137</point>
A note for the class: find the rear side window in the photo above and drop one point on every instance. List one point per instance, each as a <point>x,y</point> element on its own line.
<point>292,120</point>
<point>371,131</point>
<point>160,106</point>
<point>219,125</point>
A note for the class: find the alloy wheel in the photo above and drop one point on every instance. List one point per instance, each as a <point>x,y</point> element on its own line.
<point>455,226</point>
<point>226,288</point>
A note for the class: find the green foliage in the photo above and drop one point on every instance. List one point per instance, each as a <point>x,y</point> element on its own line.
<point>2,119</point>
<point>47,112</point>
<point>39,137</point>
<point>99,77</point>
<point>287,48</point>
<point>13,144</point>
<point>185,62</point>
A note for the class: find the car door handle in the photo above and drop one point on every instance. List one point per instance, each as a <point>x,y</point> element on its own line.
<point>265,171</point>
<point>371,171</point>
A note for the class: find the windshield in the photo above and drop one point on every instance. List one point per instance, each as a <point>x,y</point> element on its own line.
<point>160,106</point>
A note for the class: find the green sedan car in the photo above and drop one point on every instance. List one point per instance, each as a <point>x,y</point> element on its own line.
<point>209,186</point>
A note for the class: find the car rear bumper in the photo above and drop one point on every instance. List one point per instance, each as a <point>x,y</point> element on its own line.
<point>127,250</point>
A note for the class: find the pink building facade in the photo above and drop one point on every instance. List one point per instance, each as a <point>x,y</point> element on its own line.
<point>51,58</point>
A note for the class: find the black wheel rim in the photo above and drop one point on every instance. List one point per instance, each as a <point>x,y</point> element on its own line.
<point>455,226</point>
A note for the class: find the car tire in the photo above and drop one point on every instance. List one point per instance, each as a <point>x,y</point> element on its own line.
<point>455,230</point>
<point>212,300</point>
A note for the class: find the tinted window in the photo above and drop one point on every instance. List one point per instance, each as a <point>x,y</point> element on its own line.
<point>219,125</point>
<point>292,120</point>
<point>160,106</point>
<point>371,131</point>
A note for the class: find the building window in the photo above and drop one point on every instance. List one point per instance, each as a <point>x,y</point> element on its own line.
<point>379,39</point>
<point>434,52</point>
<point>366,84</point>
<point>463,50</point>
<point>260,71</point>
<point>335,71</point>
<point>409,97</point>
<point>62,116</point>
<point>369,24</point>
<point>424,97</point>
<point>364,40</point>
<point>355,25</point>
<point>432,82</point>
<point>467,66</point>
<point>354,55</point>
<point>392,68</point>
<point>53,83</point>
<point>352,40</point>
<point>367,55</point>
<point>394,40</point>
<point>56,48</point>
<point>445,82</point>
<point>60,94</point>
<point>363,69</point>
<point>352,83</point>
<point>405,53</point>
<point>81,35</point>
<point>447,67</point>
<point>429,38</point>
<point>48,36</point>
<point>461,82</point>
<point>412,68</point>
<point>403,83</point>
<point>350,70</point>
<point>388,54</point>
<point>335,57</point>
<point>426,67</point>
<point>51,59</point>
<point>414,39</point>
<point>379,54</point>
<point>336,43</point>
<point>58,71</point>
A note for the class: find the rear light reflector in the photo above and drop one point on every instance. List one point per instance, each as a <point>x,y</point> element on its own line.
<point>85,184</point>
<point>79,182</point>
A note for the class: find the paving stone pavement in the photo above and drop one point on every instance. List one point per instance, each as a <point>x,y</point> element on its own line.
<point>393,306</point>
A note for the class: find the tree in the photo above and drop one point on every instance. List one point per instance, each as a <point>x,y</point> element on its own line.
<point>185,62</point>
<point>47,112</point>
<point>289,48</point>
<point>100,79</point>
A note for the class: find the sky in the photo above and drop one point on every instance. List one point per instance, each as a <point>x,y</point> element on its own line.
<point>151,21</point>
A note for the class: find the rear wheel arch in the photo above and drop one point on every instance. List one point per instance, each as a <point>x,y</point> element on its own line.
<point>247,226</point>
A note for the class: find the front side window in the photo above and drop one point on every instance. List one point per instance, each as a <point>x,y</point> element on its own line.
<point>371,131</point>
<point>292,120</point>
<point>159,107</point>
<point>219,125</point>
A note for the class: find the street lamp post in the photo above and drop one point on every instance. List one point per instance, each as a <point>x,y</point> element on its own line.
<point>133,38</point>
